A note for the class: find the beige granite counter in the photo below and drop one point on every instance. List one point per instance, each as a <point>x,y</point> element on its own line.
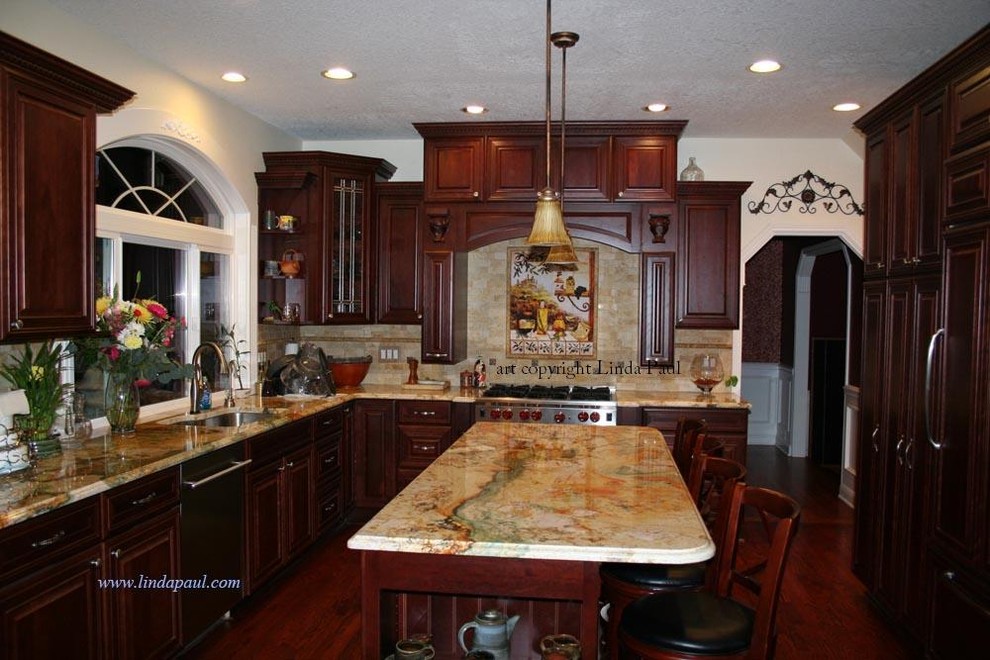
<point>546,492</point>
<point>103,462</point>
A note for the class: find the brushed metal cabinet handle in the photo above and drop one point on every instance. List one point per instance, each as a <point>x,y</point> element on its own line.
<point>928,388</point>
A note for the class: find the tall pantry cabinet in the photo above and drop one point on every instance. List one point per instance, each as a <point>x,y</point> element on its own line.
<point>922,542</point>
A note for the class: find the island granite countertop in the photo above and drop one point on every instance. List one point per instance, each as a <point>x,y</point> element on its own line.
<point>601,493</point>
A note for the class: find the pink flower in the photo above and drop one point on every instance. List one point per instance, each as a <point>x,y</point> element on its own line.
<point>157,309</point>
<point>142,382</point>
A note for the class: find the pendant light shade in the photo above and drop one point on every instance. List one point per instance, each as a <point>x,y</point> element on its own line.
<point>561,254</point>
<point>548,223</point>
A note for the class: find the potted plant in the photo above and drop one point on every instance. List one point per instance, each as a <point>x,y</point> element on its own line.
<point>37,373</point>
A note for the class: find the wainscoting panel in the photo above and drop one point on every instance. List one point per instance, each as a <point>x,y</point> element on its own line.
<point>767,387</point>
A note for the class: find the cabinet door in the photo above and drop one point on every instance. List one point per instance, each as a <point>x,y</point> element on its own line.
<point>869,481</point>
<point>418,446</point>
<point>902,210</point>
<point>644,168</point>
<point>298,498</point>
<point>877,168</point>
<point>929,164</point>
<point>400,210</point>
<point>374,454</point>
<point>347,286</point>
<point>265,515</point>
<point>708,263</point>
<point>656,331</point>
<point>48,219</point>
<point>586,168</point>
<point>453,169</point>
<point>959,460</point>
<point>56,612</point>
<point>145,622</point>
<point>444,338</point>
<point>515,169</point>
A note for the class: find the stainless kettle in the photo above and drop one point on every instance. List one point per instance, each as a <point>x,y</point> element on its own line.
<point>492,631</point>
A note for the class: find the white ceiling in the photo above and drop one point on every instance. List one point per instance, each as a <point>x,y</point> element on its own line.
<point>422,60</point>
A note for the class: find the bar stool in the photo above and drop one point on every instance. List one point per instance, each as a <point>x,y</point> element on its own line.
<point>684,438</point>
<point>624,583</point>
<point>714,623</point>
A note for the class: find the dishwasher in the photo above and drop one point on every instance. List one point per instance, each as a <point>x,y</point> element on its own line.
<point>212,537</point>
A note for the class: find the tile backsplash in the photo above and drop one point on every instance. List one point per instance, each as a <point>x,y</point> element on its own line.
<point>618,309</point>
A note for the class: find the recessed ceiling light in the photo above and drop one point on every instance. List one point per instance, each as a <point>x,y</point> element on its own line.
<point>764,66</point>
<point>474,109</point>
<point>233,77</point>
<point>657,107</point>
<point>337,73</point>
<point>846,107</point>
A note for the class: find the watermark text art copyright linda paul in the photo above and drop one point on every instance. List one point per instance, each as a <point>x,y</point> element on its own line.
<point>570,370</point>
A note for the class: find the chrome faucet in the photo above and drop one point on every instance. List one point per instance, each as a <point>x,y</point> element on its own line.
<point>194,391</point>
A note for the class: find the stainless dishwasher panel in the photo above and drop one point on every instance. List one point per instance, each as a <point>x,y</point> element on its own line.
<point>212,536</point>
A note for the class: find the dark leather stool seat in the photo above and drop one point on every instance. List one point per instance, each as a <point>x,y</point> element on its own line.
<point>686,622</point>
<point>655,577</point>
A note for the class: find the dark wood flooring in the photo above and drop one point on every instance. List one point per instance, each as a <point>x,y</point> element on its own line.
<point>313,610</point>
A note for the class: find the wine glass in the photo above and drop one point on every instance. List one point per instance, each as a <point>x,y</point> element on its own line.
<point>706,372</point>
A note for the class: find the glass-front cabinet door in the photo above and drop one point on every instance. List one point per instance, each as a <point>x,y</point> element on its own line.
<point>348,251</point>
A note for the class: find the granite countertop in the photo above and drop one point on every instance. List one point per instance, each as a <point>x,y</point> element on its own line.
<point>547,492</point>
<point>103,462</point>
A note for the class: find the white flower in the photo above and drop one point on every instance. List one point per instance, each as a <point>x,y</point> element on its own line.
<point>131,336</point>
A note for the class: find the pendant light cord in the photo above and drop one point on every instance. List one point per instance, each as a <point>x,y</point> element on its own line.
<point>548,92</point>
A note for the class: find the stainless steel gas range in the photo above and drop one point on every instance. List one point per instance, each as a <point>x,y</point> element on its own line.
<point>544,404</point>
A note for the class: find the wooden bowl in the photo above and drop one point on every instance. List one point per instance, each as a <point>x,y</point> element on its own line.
<point>349,372</point>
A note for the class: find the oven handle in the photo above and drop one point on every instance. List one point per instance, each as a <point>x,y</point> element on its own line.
<point>192,485</point>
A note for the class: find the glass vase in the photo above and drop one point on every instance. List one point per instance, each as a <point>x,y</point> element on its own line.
<point>123,402</point>
<point>692,172</point>
<point>35,432</point>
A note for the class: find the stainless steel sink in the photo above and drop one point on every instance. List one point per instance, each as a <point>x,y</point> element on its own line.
<point>236,418</point>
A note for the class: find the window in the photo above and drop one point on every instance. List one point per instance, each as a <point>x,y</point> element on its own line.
<point>156,215</point>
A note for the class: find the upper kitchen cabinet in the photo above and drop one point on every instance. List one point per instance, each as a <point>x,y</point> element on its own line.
<point>506,161</point>
<point>48,111</point>
<point>904,156</point>
<point>708,254</point>
<point>316,244</point>
<point>400,252</point>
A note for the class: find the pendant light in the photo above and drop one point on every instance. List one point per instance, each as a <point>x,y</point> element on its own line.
<point>548,221</point>
<point>563,254</point>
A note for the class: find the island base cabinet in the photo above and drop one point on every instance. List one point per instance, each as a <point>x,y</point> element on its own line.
<point>55,613</point>
<point>726,424</point>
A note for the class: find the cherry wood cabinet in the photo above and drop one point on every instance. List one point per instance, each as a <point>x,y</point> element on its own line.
<point>656,326</point>
<point>374,459</point>
<point>331,195</point>
<point>331,457</point>
<point>444,335</point>
<point>423,432</point>
<point>506,161</point>
<point>922,489</point>
<point>708,254</point>
<point>280,499</point>
<point>48,111</point>
<point>727,424</point>
<point>400,228</point>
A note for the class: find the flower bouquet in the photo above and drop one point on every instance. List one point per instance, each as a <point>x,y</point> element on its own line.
<point>134,352</point>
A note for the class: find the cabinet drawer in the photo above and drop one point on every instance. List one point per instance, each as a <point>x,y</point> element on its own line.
<point>969,106</point>
<point>273,445</point>
<point>330,422</point>
<point>136,501</point>
<point>26,545</point>
<point>424,412</point>
<point>329,508</point>
<point>420,445</point>
<point>328,457</point>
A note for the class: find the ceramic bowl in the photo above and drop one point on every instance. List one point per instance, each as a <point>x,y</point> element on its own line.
<point>349,372</point>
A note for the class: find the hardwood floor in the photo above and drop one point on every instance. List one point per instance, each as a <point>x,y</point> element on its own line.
<point>312,611</point>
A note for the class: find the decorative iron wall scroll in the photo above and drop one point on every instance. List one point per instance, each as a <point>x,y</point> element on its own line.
<point>807,189</point>
<point>551,306</point>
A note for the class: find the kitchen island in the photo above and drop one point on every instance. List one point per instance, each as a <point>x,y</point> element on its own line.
<point>524,512</point>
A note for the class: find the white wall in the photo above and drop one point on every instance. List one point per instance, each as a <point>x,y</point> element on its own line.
<point>173,108</point>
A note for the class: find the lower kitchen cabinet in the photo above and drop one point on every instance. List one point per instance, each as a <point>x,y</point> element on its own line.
<point>423,432</point>
<point>727,424</point>
<point>56,612</point>
<point>374,458</point>
<point>145,623</point>
<point>280,506</point>
<point>331,457</point>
